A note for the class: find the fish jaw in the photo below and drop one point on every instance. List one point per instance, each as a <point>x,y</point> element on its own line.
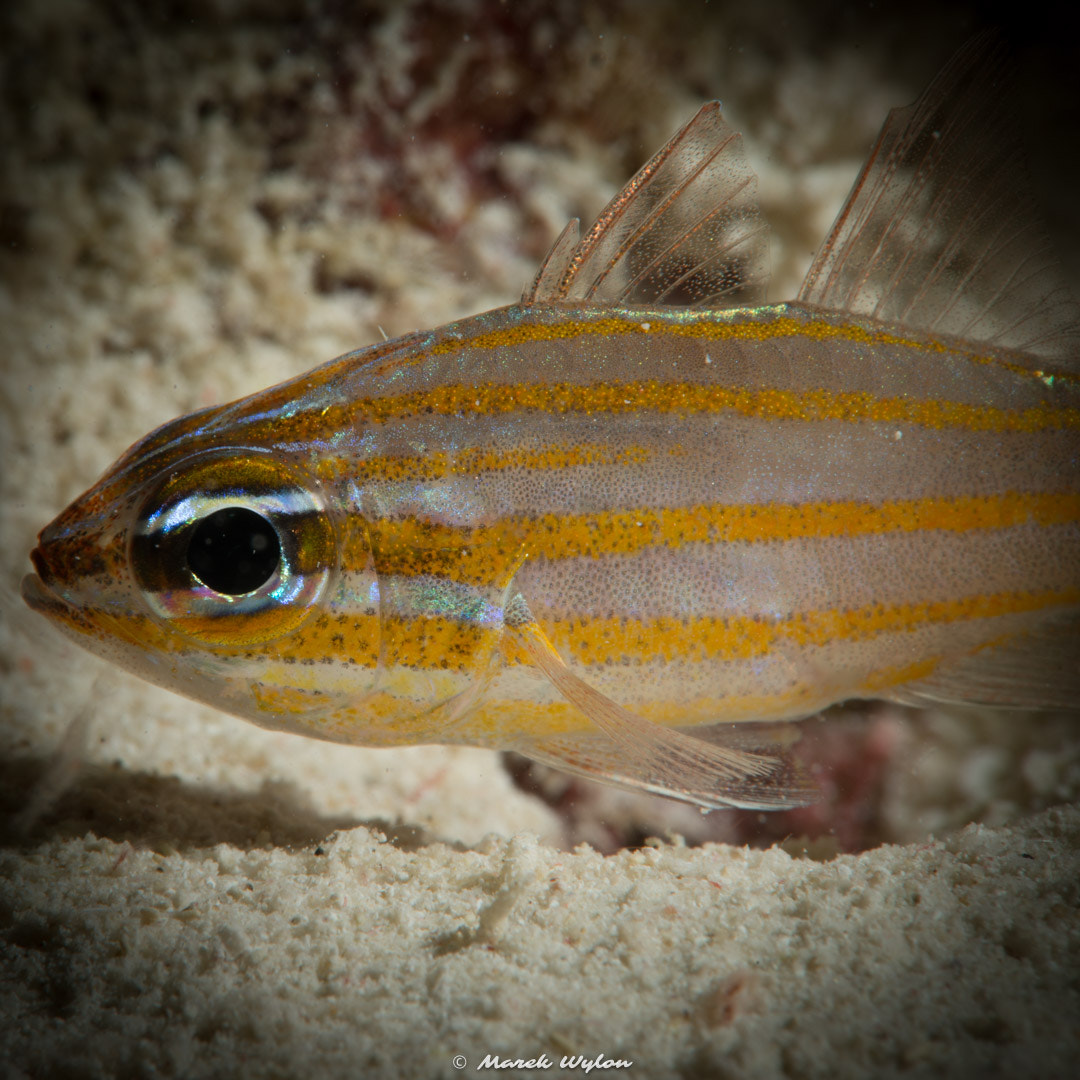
<point>93,631</point>
<point>45,601</point>
<point>78,563</point>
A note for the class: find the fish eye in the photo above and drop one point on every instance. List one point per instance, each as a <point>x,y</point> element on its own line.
<point>233,547</point>
<point>233,550</point>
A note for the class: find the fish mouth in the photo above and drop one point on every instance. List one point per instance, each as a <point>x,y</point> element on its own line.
<point>39,590</point>
<point>41,565</point>
<point>40,597</point>
<point>88,627</point>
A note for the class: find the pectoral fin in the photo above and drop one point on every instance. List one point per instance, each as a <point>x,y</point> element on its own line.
<point>638,753</point>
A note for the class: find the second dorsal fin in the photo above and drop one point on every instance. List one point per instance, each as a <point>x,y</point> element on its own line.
<point>686,231</point>
<point>940,231</point>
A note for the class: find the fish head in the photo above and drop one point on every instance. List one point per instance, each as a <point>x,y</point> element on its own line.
<point>214,571</point>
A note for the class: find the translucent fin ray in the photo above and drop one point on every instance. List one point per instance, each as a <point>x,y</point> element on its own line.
<point>640,754</point>
<point>554,267</point>
<point>1040,670</point>
<point>940,231</point>
<point>592,757</point>
<point>685,231</point>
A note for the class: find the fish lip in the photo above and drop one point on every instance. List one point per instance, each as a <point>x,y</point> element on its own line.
<point>39,590</point>
<point>68,615</point>
<point>39,597</point>
<point>37,557</point>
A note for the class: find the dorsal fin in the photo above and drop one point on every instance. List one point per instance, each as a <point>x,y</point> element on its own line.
<point>940,230</point>
<point>686,231</point>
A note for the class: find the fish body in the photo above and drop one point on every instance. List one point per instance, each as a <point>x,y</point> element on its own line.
<point>605,524</point>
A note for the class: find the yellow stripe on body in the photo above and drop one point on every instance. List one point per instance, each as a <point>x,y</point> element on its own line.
<point>682,399</point>
<point>473,460</point>
<point>498,720</point>
<point>490,399</point>
<point>481,553</point>
<point>739,325</point>
<point>740,637</point>
<point>438,642</point>
<point>278,415</point>
<point>385,718</point>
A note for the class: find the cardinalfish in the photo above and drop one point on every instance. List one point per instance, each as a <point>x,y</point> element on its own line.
<point>628,525</point>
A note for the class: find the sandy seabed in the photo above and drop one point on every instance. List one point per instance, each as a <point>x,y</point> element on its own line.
<point>203,200</point>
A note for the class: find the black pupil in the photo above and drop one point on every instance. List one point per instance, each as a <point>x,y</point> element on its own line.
<point>234,551</point>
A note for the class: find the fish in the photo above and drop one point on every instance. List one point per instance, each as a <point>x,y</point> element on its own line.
<point>636,524</point>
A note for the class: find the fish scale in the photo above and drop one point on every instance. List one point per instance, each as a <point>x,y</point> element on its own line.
<point>632,522</point>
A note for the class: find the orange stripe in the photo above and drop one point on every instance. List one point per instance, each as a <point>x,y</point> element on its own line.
<point>737,324</point>
<point>629,640</point>
<point>283,418</point>
<point>482,553</point>
<point>469,462</point>
<point>709,326</point>
<point>437,642</point>
<point>684,399</point>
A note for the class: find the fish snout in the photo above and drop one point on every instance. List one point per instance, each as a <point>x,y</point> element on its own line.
<point>71,555</point>
<point>43,589</point>
<point>41,565</point>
